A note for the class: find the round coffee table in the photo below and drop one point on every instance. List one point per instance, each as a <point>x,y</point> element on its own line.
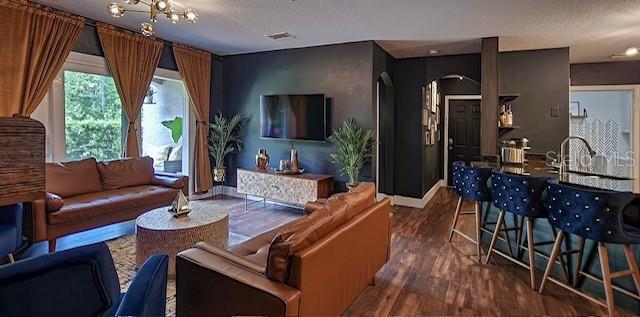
<point>157,231</point>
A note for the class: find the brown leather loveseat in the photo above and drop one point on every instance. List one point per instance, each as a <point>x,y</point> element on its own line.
<point>87,194</point>
<point>314,266</point>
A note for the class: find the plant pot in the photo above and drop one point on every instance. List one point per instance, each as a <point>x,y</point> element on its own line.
<point>351,186</point>
<point>218,174</point>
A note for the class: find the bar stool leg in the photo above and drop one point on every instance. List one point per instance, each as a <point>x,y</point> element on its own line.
<point>495,236</point>
<point>519,229</point>
<point>532,258</point>
<point>561,259</point>
<point>606,276</point>
<point>506,237</point>
<point>455,218</point>
<point>557,245</point>
<point>633,266</point>
<point>576,272</point>
<point>478,211</point>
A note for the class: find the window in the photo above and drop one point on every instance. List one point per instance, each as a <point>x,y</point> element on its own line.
<point>604,115</point>
<point>83,116</point>
<point>93,117</point>
<point>163,124</point>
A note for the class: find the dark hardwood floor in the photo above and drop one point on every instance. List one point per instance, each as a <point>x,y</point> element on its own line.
<point>426,275</point>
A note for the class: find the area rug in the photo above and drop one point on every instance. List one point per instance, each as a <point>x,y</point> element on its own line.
<point>123,251</point>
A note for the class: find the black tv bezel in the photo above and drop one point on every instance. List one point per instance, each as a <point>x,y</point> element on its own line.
<point>324,114</point>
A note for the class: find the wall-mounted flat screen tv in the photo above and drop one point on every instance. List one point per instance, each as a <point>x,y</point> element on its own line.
<point>293,117</point>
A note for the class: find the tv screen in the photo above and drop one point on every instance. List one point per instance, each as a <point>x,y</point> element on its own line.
<point>293,117</point>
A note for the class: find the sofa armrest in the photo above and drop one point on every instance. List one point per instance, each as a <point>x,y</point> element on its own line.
<point>147,294</point>
<point>35,214</point>
<point>231,257</point>
<point>53,202</point>
<point>167,181</point>
<point>206,282</point>
<point>312,206</point>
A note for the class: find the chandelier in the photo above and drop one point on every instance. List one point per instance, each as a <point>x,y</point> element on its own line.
<point>155,8</point>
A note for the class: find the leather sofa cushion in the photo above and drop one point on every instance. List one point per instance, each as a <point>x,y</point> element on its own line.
<point>358,199</point>
<point>91,205</point>
<point>300,235</point>
<point>126,172</point>
<point>67,179</point>
<point>53,202</point>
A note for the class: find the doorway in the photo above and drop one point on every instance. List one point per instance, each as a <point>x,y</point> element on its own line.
<point>462,131</point>
<point>384,135</point>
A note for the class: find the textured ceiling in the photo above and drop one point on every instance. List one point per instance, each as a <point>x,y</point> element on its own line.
<point>594,29</point>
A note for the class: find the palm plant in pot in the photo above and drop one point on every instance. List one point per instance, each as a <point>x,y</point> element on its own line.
<point>224,139</point>
<point>353,149</point>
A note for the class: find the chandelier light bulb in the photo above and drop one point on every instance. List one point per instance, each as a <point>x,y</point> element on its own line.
<point>191,15</point>
<point>131,1</point>
<point>173,17</point>
<point>146,29</point>
<point>116,10</point>
<point>162,5</point>
<point>631,51</point>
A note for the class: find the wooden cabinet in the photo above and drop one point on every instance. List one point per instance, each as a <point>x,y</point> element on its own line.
<point>291,189</point>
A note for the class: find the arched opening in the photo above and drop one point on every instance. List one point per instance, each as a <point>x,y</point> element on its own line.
<point>460,117</point>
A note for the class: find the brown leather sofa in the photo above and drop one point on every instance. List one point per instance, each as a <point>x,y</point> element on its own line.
<point>314,266</point>
<point>87,194</point>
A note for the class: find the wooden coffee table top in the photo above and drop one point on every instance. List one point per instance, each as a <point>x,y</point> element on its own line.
<point>201,214</point>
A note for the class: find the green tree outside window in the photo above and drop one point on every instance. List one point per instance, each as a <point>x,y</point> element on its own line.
<point>93,117</point>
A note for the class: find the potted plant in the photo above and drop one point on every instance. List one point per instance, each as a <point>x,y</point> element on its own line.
<point>353,149</point>
<point>224,139</point>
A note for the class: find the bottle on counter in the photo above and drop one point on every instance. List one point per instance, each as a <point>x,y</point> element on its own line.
<point>502,119</point>
<point>509,116</point>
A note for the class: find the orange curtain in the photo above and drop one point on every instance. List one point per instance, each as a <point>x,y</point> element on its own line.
<point>195,69</point>
<point>132,59</point>
<point>36,41</point>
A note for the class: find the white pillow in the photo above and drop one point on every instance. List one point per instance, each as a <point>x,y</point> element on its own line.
<point>176,153</point>
<point>158,153</point>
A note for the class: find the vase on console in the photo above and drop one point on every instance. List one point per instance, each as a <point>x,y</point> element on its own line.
<point>262,160</point>
<point>294,161</point>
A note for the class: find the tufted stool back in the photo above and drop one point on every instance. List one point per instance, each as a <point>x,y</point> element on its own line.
<point>589,213</point>
<point>518,194</point>
<point>470,183</point>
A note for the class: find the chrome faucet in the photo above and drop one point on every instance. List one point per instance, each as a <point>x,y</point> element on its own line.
<point>563,156</point>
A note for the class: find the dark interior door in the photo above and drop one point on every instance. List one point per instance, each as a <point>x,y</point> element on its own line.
<point>464,132</point>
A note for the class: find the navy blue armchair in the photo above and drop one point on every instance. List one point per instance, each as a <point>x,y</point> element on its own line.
<point>10,231</point>
<point>81,282</point>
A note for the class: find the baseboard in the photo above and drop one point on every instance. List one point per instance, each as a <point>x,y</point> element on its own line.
<point>417,202</point>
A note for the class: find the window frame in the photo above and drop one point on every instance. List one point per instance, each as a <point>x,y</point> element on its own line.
<point>51,111</point>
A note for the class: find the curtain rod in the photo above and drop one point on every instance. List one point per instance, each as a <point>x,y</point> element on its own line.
<point>93,23</point>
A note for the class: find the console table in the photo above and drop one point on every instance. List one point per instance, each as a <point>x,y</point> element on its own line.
<point>297,189</point>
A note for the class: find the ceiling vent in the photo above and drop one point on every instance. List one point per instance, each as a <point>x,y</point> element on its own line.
<point>281,36</point>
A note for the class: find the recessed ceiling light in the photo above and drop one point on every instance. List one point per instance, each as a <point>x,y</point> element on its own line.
<point>433,52</point>
<point>631,51</point>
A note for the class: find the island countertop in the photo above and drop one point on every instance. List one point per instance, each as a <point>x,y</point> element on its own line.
<point>537,168</point>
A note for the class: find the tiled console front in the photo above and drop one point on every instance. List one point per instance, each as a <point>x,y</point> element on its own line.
<point>292,189</point>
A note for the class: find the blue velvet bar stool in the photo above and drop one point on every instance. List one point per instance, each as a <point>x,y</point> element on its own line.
<point>596,215</point>
<point>522,196</point>
<point>470,183</point>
